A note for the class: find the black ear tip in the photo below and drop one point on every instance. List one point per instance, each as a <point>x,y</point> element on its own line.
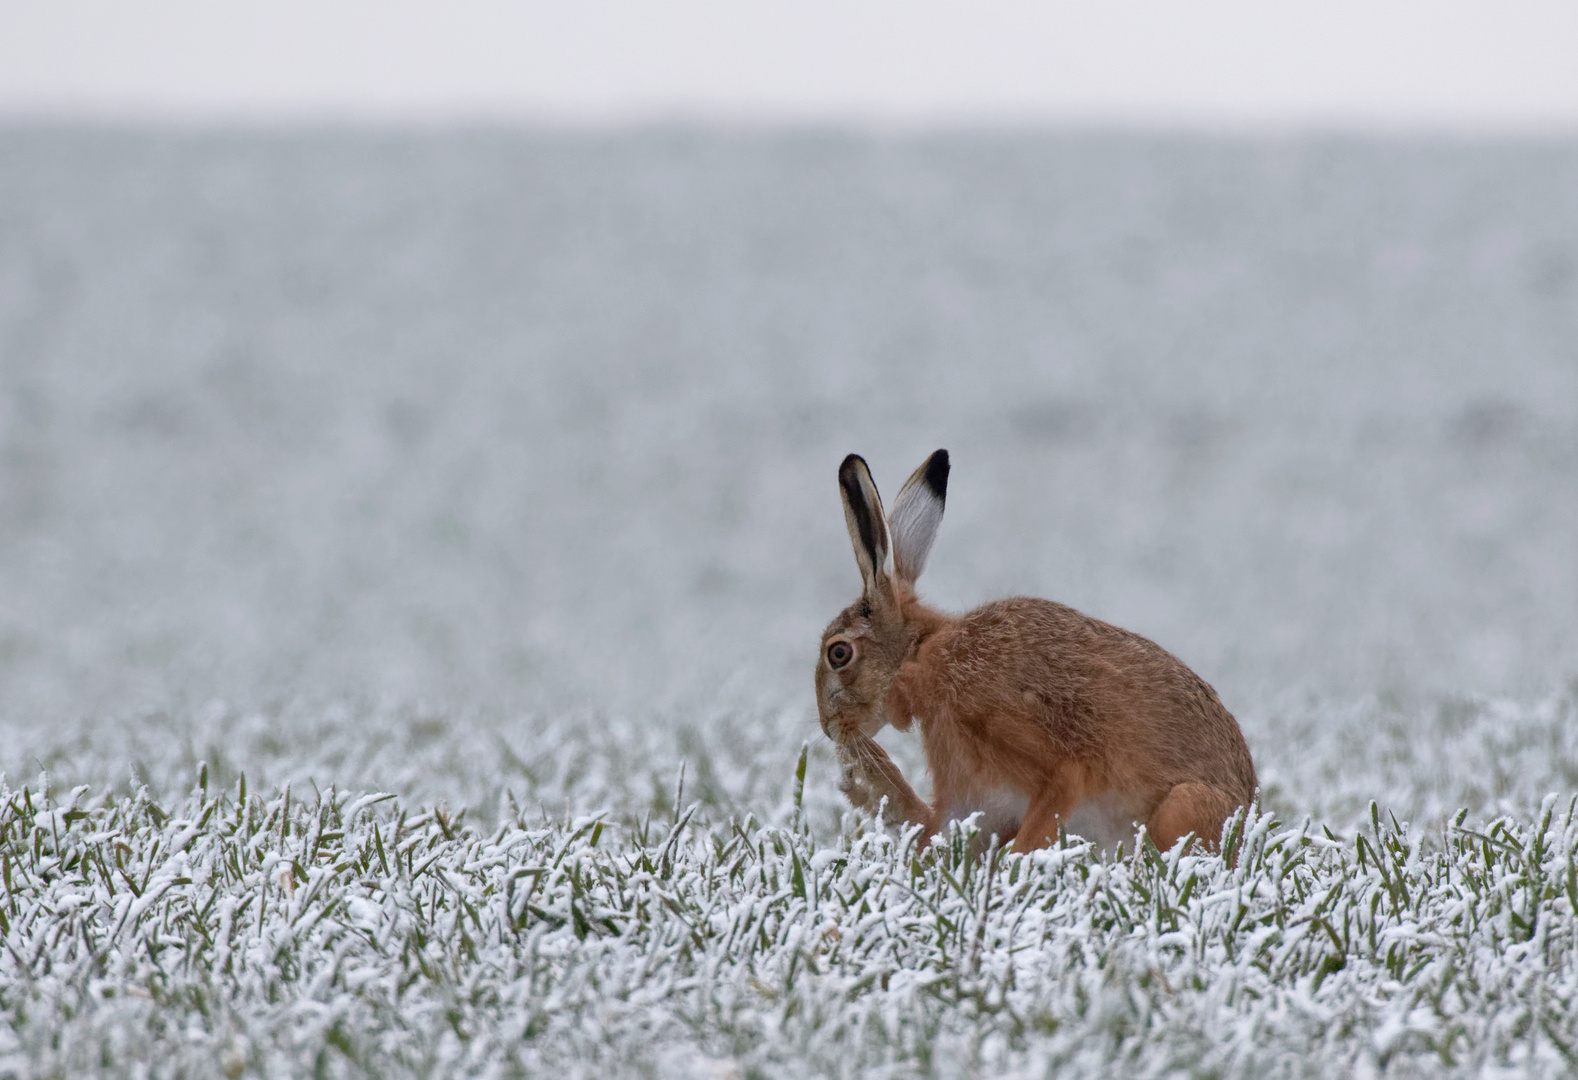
<point>937,473</point>
<point>849,477</point>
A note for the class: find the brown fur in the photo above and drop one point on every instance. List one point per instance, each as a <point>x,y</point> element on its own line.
<point>1031,698</point>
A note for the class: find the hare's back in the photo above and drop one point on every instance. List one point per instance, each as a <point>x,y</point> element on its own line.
<point>1099,689</point>
<point>1033,638</point>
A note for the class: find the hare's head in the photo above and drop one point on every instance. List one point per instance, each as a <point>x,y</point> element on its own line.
<point>863,647</point>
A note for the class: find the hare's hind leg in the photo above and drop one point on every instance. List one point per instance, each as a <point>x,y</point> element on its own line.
<point>1049,809</point>
<point>1190,808</point>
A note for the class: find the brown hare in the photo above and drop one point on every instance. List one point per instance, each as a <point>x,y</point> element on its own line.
<point>1029,712</point>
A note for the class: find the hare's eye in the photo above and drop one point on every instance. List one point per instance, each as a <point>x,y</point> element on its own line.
<point>840,653</point>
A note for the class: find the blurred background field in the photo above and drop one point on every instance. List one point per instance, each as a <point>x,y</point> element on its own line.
<point>453,462</point>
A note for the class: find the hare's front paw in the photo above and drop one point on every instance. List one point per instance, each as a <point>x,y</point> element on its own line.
<point>855,786</point>
<point>861,780</point>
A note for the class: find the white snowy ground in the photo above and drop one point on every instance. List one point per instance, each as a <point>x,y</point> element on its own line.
<point>495,472</point>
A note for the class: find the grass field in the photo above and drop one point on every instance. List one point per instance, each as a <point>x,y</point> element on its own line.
<point>729,920</point>
<point>413,547</point>
<point>241,934</point>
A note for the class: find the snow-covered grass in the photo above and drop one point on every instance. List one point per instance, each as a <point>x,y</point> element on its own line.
<point>645,898</point>
<point>242,933</point>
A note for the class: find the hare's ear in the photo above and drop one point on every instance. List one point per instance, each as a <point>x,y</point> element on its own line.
<point>916,514</point>
<point>868,529</point>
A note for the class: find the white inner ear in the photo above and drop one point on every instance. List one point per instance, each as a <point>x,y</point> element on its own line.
<point>912,528</point>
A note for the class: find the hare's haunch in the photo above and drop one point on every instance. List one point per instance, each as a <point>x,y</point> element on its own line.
<point>1029,712</point>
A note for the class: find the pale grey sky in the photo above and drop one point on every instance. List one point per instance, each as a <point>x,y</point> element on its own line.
<point>1464,64</point>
